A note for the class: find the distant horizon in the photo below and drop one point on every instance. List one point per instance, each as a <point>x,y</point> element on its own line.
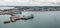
<point>32,5</point>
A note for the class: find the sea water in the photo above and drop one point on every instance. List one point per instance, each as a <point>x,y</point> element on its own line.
<point>48,19</point>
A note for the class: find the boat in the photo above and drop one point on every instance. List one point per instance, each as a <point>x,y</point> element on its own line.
<point>28,17</point>
<point>5,22</point>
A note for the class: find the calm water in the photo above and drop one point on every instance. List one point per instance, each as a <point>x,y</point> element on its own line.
<point>41,20</point>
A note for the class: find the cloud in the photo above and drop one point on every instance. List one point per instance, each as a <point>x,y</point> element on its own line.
<point>27,2</point>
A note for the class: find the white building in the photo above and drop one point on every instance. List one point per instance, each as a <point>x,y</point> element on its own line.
<point>3,8</point>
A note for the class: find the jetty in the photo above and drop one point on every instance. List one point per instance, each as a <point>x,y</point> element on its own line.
<point>14,17</point>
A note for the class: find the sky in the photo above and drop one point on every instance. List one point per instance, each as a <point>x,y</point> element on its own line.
<point>30,2</point>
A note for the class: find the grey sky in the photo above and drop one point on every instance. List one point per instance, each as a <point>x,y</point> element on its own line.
<point>30,2</point>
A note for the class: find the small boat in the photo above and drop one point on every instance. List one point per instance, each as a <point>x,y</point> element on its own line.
<point>5,22</point>
<point>28,17</point>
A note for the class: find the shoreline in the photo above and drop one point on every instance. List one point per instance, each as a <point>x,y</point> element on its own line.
<point>40,11</point>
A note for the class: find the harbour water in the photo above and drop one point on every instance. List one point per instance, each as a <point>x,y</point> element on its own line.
<point>48,19</point>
